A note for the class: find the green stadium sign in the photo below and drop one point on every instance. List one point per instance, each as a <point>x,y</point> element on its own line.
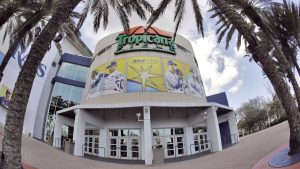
<point>141,43</point>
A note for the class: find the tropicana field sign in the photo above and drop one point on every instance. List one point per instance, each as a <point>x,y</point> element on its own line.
<point>148,41</point>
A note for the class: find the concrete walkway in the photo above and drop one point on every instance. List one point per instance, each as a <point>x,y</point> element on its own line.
<point>243,155</point>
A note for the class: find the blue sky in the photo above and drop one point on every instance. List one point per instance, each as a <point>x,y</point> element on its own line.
<point>221,69</point>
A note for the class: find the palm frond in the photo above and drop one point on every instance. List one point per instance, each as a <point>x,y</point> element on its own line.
<point>83,14</point>
<point>158,12</point>
<point>105,14</point>
<point>179,12</point>
<point>98,11</point>
<point>123,17</point>
<point>198,17</point>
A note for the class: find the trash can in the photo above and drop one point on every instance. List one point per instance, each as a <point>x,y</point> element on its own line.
<point>158,155</point>
<point>50,141</point>
<point>69,146</point>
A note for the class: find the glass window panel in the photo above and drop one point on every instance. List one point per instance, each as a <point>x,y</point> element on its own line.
<point>113,141</point>
<point>170,152</point>
<point>53,100</point>
<point>113,132</point>
<point>123,147</point>
<point>134,142</point>
<point>123,141</point>
<point>96,132</point>
<point>124,132</point>
<point>168,132</point>
<point>81,75</point>
<point>65,91</point>
<point>169,140</point>
<point>113,153</point>
<point>179,131</point>
<point>123,154</point>
<point>158,132</point>
<point>76,94</point>
<point>179,139</point>
<point>180,151</point>
<point>134,132</point>
<point>135,148</point>
<point>135,154</point>
<point>170,146</point>
<point>91,132</point>
<point>59,101</point>
<point>158,141</point>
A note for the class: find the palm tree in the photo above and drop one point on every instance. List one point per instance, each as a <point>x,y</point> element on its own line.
<point>256,47</point>
<point>23,33</point>
<point>20,31</point>
<point>284,21</point>
<point>249,9</point>
<point>11,156</point>
<point>9,8</point>
<point>255,14</point>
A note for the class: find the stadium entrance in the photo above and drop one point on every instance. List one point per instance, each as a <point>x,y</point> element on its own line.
<point>124,143</point>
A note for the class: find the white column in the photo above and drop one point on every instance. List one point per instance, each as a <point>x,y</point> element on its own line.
<point>233,128</point>
<point>57,131</point>
<point>79,129</point>
<point>102,142</point>
<point>147,137</point>
<point>189,140</point>
<point>213,130</point>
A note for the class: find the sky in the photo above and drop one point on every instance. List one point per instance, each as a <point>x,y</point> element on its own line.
<point>221,70</point>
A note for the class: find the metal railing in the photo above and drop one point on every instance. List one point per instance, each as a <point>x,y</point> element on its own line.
<point>207,142</point>
<point>86,146</point>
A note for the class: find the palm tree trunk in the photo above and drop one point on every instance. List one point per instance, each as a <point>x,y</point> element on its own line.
<point>11,155</point>
<point>297,67</point>
<point>7,56</point>
<point>270,69</point>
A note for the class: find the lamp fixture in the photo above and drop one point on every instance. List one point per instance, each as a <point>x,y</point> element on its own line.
<point>138,115</point>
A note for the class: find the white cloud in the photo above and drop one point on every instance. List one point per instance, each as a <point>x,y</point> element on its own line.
<point>208,53</point>
<point>236,87</point>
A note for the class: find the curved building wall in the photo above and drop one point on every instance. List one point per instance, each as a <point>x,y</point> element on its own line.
<point>141,76</point>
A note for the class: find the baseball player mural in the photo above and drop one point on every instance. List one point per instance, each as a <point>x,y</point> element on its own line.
<point>194,83</point>
<point>145,74</point>
<point>114,81</point>
<point>107,79</point>
<point>174,79</point>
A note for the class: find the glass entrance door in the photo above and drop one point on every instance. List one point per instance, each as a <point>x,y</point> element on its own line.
<point>91,142</point>
<point>125,144</point>
<point>179,149</point>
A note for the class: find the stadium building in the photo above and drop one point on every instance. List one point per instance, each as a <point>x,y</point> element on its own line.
<point>140,92</point>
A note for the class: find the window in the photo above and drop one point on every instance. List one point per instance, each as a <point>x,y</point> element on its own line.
<point>63,96</point>
<point>73,72</point>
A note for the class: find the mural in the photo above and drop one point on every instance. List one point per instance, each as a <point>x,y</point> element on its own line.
<point>145,74</point>
<point>5,95</point>
<point>107,79</point>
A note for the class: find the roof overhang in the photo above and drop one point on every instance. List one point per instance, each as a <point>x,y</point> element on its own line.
<point>222,109</point>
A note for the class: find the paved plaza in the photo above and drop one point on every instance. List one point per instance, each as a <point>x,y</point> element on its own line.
<point>243,155</point>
